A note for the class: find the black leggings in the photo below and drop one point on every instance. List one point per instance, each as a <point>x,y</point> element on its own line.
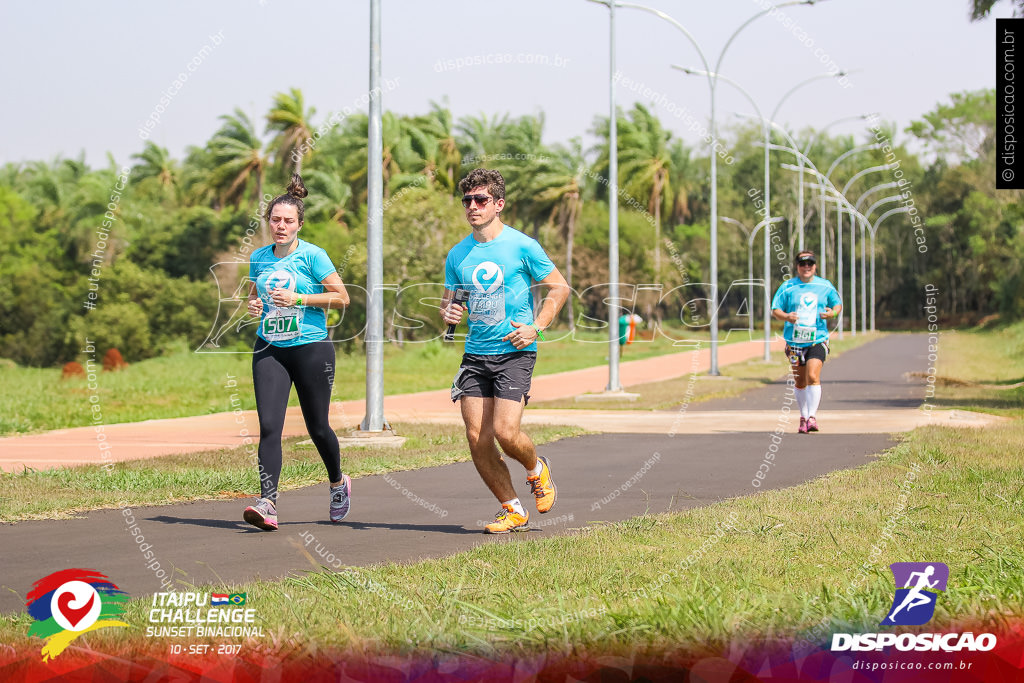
<point>311,368</point>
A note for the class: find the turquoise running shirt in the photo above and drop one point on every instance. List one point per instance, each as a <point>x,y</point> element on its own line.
<point>301,271</point>
<point>809,301</point>
<point>498,275</point>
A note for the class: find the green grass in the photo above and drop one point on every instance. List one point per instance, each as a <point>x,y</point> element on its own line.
<point>981,370</point>
<point>226,473</point>
<point>739,377</point>
<point>778,564</point>
<point>186,384</point>
<point>793,563</point>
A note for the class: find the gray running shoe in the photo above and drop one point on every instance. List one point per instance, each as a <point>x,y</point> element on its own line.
<point>341,499</point>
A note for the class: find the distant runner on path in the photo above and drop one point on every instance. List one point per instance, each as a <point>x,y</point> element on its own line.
<point>805,302</point>
<point>293,283</point>
<point>497,265</point>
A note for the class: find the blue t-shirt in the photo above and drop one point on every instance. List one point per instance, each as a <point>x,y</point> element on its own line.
<point>498,275</point>
<point>809,301</point>
<point>300,271</point>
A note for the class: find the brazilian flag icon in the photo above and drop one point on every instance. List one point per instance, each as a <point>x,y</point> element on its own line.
<point>237,599</point>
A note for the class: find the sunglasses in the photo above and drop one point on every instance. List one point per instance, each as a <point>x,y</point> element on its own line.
<point>805,262</point>
<point>480,199</point>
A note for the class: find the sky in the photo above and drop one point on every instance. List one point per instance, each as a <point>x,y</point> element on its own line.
<point>87,77</point>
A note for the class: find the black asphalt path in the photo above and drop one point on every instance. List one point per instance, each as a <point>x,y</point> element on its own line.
<point>407,516</point>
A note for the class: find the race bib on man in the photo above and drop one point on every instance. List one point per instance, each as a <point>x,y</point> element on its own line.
<point>281,324</point>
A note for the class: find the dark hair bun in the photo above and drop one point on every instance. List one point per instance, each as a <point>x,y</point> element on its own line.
<point>296,188</point>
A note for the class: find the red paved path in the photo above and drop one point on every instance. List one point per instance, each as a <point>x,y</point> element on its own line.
<point>153,438</point>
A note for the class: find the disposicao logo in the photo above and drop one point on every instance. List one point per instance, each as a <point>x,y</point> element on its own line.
<point>71,602</point>
<point>912,605</point>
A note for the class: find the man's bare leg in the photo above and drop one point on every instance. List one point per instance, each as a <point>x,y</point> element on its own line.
<point>478,414</point>
<point>508,417</point>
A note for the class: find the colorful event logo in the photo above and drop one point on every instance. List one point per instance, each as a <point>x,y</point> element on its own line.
<point>914,603</point>
<point>71,602</point>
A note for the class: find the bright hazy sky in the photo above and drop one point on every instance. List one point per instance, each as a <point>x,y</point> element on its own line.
<point>84,76</point>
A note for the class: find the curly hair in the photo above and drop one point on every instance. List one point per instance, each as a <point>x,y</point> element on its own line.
<point>481,176</point>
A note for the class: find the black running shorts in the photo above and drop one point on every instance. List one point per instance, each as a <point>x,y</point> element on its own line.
<point>505,375</point>
<point>799,355</point>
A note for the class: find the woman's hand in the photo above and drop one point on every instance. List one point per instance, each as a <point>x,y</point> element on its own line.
<point>283,298</point>
<point>256,306</point>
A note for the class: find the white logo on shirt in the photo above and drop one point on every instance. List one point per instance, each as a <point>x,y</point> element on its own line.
<point>282,279</point>
<point>490,271</point>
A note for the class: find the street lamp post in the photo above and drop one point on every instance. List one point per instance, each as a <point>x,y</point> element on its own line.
<point>865,228</point>
<point>750,271</point>
<point>822,258</point>
<point>767,201</point>
<point>839,235</point>
<point>374,419</point>
<point>874,231</point>
<point>750,274</point>
<point>614,384</point>
<point>613,215</point>
<point>843,205</point>
<point>800,182</point>
<point>853,251</point>
<point>712,82</point>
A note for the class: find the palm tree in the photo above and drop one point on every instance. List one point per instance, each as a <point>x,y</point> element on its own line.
<point>156,164</point>
<point>292,123</point>
<point>433,138</point>
<point>981,8</point>
<point>645,166</point>
<point>329,196</point>
<point>401,162</point>
<point>239,162</point>
<point>481,138</point>
<point>557,185</point>
<point>51,186</point>
<point>198,187</point>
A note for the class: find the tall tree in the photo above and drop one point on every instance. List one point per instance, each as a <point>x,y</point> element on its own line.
<point>433,136</point>
<point>645,167</point>
<point>981,8</point>
<point>292,123</point>
<point>157,166</point>
<point>963,129</point>
<point>557,186</point>
<point>240,163</point>
<point>329,196</point>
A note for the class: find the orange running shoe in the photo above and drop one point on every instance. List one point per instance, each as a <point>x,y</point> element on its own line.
<point>508,520</point>
<point>542,487</point>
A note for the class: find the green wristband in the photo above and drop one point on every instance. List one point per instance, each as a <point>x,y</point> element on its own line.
<point>298,300</point>
<point>540,332</point>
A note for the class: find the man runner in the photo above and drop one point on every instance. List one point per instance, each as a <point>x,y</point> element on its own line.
<point>805,302</point>
<point>496,264</point>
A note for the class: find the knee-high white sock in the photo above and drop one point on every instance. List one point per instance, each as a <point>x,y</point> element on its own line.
<point>813,399</point>
<point>801,400</point>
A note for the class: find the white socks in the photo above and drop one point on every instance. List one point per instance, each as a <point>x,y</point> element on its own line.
<point>536,470</point>
<point>801,400</point>
<point>812,397</point>
<point>516,506</point>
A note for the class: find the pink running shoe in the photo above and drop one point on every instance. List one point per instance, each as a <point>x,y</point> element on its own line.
<point>263,515</point>
<point>812,424</point>
<point>803,426</point>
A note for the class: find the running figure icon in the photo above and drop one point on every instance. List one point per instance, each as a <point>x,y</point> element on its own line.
<point>915,595</point>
